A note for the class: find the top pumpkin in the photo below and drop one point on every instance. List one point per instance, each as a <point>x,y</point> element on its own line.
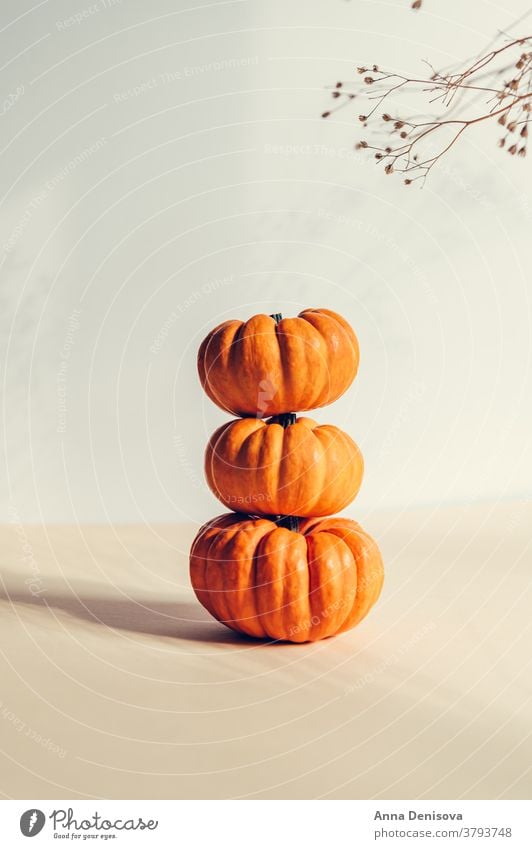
<point>271,365</point>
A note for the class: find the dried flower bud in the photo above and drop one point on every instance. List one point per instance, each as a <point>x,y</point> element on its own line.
<point>511,126</point>
<point>336,94</point>
<point>524,132</point>
<point>389,168</point>
<point>404,134</point>
<point>513,149</point>
<point>501,142</point>
<point>417,4</point>
<point>399,124</point>
<point>325,114</point>
<point>360,145</point>
<point>387,150</point>
<point>339,85</point>
<point>369,80</point>
<point>379,155</point>
<point>502,120</point>
<point>408,182</point>
<point>386,117</point>
<point>375,69</point>
<point>362,118</point>
<point>513,85</point>
<point>522,151</point>
<point>361,70</point>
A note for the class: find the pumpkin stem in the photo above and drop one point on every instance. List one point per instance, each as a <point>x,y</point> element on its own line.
<point>289,522</point>
<point>293,523</point>
<point>286,419</point>
<point>277,316</point>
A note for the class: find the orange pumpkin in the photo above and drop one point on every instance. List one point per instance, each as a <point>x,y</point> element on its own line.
<point>269,581</point>
<point>289,466</point>
<point>271,365</point>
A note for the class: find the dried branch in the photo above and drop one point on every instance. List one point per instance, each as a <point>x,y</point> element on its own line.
<point>501,80</point>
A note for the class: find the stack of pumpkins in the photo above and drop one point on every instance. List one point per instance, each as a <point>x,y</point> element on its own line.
<point>276,569</point>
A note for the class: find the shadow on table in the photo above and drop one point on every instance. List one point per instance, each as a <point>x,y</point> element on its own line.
<point>184,620</point>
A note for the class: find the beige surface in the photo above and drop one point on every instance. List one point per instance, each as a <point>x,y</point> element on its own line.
<point>135,692</point>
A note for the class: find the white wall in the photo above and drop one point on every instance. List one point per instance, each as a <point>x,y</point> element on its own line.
<point>219,192</point>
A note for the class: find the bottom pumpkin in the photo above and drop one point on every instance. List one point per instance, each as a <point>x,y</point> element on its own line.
<point>267,581</point>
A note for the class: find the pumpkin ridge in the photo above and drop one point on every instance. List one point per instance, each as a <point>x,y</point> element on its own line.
<point>254,587</point>
<point>276,467</point>
<point>345,467</point>
<point>340,625</point>
<point>265,475</point>
<point>317,592</point>
<point>322,437</point>
<point>338,347</point>
<point>323,466</point>
<point>249,437</point>
<point>212,454</point>
<point>240,598</point>
<point>312,477</point>
<point>293,597</point>
<point>372,567</point>
<point>264,358</point>
<point>219,361</point>
<point>341,549</point>
<point>294,575</point>
<point>321,388</point>
<point>334,591</point>
<point>212,563</point>
<point>285,367</point>
<point>314,584</point>
<point>313,343</point>
<point>266,588</point>
<point>257,586</point>
<point>288,480</point>
<point>251,622</point>
<point>226,338</point>
<point>235,351</point>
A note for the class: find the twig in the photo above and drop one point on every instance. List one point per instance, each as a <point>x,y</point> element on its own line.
<point>506,101</point>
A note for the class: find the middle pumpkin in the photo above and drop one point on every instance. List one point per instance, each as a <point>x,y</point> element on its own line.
<point>283,466</point>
